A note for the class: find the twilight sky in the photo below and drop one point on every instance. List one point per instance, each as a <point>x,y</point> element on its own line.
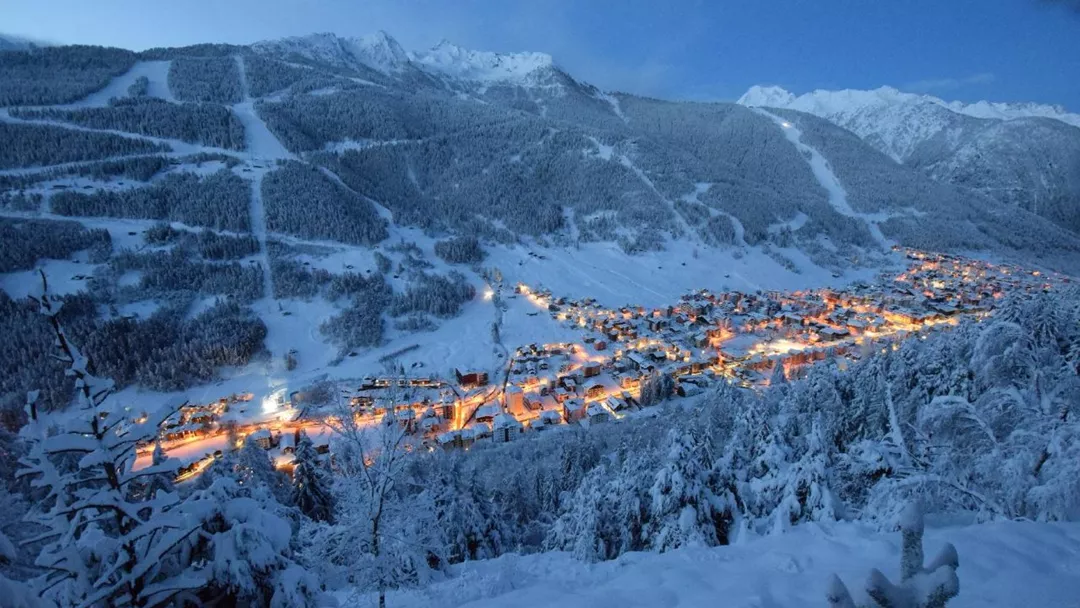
<point>1001,50</point>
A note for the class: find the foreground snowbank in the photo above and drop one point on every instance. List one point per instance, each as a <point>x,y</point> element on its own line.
<point>1001,564</point>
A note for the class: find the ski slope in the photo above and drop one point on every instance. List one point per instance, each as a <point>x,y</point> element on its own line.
<point>1003,564</point>
<point>156,72</point>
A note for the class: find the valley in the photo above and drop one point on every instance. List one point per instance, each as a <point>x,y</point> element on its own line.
<point>626,360</point>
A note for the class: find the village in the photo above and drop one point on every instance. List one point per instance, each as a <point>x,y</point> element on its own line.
<point>628,359</point>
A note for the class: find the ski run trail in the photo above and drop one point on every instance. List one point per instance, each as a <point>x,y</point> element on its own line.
<point>826,177</point>
<point>263,150</point>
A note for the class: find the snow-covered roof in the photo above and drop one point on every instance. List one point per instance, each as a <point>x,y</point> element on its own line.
<point>506,421</point>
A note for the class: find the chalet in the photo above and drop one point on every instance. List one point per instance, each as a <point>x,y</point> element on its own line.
<point>450,439</point>
<point>635,360</point>
<point>590,370</point>
<point>445,407</point>
<point>617,404</point>
<point>594,389</point>
<point>479,430</point>
<point>551,417</point>
<point>288,442</point>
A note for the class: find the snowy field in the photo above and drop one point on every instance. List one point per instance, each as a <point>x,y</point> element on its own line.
<point>1006,564</point>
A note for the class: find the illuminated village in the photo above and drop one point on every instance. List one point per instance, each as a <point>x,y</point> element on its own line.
<point>747,339</point>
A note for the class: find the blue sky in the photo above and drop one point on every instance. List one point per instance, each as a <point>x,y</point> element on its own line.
<point>1001,50</point>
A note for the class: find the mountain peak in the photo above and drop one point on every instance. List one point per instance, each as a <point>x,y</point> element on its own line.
<point>380,51</point>
<point>768,96</point>
<point>450,59</point>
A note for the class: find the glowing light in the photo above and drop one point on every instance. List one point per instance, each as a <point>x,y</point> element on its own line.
<point>786,124</point>
<point>489,293</point>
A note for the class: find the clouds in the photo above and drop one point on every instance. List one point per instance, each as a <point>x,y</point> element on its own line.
<point>949,84</point>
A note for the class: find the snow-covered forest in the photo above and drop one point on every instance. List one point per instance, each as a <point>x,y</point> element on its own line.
<point>198,123</point>
<point>219,200</point>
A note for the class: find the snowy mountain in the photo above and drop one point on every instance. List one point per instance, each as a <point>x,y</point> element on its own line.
<point>849,102</point>
<point>453,61</point>
<point>378,51</point>
<point>1026,155</point>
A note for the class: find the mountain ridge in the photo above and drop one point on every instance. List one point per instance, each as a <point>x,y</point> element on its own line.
<point>1026,155</point>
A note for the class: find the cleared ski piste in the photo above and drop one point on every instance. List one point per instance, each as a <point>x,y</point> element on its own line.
<point>1002,564</point>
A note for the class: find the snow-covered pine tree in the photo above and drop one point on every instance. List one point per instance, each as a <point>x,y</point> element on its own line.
<point>100,544</point>
<point>807,493</point>
<point>311,484</point>
<point>244,551</point>
<point>683,510</point>
<point>578,528</point>
<point>161,482</point>
<point>251,468</point>
<point>107,544</point>
<point>464,517</point>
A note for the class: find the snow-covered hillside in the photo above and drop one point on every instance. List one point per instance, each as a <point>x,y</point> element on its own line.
<point>1006,565</point>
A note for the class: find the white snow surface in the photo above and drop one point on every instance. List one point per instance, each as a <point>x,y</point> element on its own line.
<point>899,120</point>
<point>156,72</point>
<point>1004,564</point>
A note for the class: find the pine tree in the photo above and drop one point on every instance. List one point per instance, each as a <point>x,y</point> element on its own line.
<point>311,484</point>
<point>105,543</point>
<point>100,544</point>
<point>807,494</point>
<point>684,511</point>
<point>161,482</point>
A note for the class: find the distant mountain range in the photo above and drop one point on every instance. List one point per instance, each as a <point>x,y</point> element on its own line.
<point>1024,154</point>
<point>511,146</point>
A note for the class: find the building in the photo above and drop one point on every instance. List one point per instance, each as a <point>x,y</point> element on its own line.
<point>515,400</point>
<point>594,389</point>
<point>471,377</point>
<point>262,438</point>
<point>597,413</point>
<point>487,412</point>
<point>506,428</point>
<point>573,410</point>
